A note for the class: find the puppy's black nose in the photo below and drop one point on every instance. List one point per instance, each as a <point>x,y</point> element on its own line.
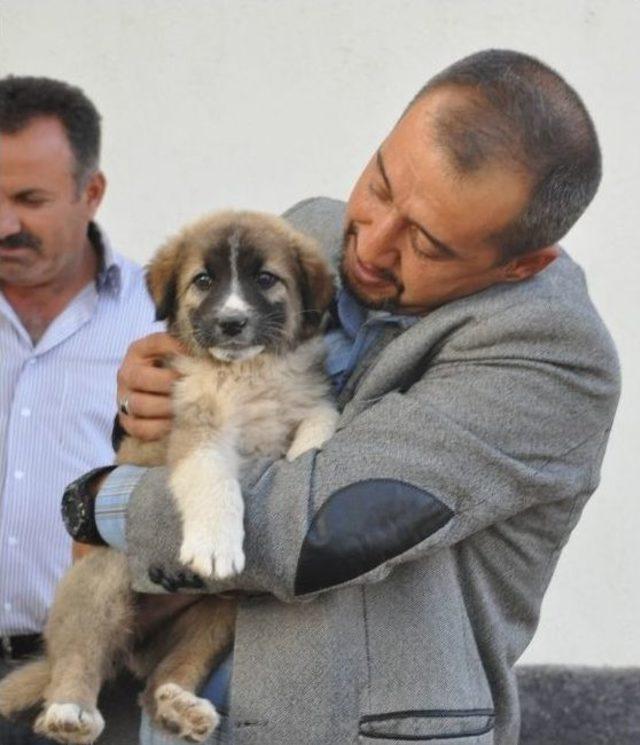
<point>232,325</point>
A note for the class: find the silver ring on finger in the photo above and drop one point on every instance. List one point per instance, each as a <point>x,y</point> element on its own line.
<point>123,405</point>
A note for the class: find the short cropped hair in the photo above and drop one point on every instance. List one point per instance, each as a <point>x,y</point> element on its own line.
<point>23,99</point>
<point>520,113</point>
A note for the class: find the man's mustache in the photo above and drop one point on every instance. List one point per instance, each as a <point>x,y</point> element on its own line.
<point>384,274</point>
<point>21,240</point>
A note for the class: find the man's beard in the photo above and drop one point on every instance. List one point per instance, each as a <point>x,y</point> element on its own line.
<point>390,303</point>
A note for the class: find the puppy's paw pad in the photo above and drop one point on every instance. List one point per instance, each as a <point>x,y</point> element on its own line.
<point>70,723</point>
<point>184,714</point>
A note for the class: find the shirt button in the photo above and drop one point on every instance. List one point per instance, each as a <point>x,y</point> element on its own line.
<point>32,360</point>
<point>25,411</point>
<point>18,475</point>
<point>8,606</point>
<point>13,541</point>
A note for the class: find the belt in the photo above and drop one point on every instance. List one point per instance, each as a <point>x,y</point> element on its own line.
<point>20,646</point>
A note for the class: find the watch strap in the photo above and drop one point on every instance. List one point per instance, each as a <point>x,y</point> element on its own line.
<point>78,507</point>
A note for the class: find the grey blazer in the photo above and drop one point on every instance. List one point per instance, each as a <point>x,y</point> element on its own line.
<point>395,577</point>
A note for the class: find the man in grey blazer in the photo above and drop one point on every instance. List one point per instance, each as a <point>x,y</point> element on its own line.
<point>394,578</point>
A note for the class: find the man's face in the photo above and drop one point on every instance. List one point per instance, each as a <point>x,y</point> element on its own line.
<point>417,235</point>
<point>43,216</point>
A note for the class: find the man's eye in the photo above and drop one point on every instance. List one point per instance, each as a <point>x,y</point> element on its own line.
<point>202,281</point>
<point>422,246</point>
<point>379,191</point>
<point>32,201</point>
<point>266,280</point>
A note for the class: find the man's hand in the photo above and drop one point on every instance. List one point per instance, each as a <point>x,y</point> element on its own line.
<point>80,550</point>
<point>145,385</point>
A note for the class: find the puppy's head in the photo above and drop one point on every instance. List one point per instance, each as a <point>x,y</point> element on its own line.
<point>236,284</point>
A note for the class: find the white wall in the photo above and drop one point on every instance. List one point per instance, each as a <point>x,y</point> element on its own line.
<point>256,104</point>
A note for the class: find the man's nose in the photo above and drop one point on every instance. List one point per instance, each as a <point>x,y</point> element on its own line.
<point>9,221</point>
<point>378,241</point>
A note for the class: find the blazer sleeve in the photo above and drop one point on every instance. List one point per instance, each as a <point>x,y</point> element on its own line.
<point>506,418</point>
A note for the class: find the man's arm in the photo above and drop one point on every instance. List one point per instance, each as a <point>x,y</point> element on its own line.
<point>489,431</point>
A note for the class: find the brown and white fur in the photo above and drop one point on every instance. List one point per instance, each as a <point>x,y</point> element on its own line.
<point>245,294</point>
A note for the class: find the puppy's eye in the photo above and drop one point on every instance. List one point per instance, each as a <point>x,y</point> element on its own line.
<point>202,281</point>
<point>266,280</point>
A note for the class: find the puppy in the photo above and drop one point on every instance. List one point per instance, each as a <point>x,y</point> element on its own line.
<point>245,294</point>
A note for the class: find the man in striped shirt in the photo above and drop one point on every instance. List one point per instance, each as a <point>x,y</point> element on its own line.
<point>69,307</point>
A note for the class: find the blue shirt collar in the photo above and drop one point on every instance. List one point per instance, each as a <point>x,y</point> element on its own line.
<point>109,277</point>
<point>351,315</point>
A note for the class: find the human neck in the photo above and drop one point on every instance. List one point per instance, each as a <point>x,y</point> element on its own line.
<point>38,306</point>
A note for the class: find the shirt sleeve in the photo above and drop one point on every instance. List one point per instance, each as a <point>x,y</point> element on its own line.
<point>501,423</point>
<point>112,501</point>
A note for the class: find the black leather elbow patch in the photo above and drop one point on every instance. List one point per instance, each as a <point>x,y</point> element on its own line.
<point>363,525</point>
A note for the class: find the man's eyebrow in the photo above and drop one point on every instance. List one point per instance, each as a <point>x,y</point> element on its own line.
<point>383,173</point>
<point>437,243</point>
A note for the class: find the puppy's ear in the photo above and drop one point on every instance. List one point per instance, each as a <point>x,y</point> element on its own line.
<point>162,280</point>
<point>316,285</point>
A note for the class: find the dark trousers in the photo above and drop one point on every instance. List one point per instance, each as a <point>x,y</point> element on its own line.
<point>118,705</point>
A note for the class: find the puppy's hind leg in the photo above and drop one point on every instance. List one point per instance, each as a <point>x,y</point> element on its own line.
<point>198,637</point>
<point>88,630</point>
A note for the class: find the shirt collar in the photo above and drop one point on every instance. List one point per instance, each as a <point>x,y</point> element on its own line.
<point>109,277</point>
<point>351,315</point>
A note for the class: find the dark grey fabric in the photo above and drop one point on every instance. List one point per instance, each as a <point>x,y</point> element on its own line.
<point>119,706</point>
<point>579,705</point>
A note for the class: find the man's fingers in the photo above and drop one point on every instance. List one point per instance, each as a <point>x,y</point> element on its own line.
<point>155,345</point>
<point>146,430</point>
<point>147,378</point>
<point>148,405</point>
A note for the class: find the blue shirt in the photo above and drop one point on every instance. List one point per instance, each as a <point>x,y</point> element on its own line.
<point>351,333</point>
<point>57,403</point>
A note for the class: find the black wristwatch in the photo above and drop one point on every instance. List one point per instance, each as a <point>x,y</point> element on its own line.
<point>78,507</point>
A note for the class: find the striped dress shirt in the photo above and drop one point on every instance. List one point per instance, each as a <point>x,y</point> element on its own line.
<point>57,403</point>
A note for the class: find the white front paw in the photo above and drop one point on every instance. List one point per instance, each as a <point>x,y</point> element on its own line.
<point>197,555</point>
<point>311,439</point>
<point>229,556</point>
<point>219,553</point>
<point>314,432</point>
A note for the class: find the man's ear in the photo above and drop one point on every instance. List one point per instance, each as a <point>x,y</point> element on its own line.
<point>527,265</point>
<point>93,192</point>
